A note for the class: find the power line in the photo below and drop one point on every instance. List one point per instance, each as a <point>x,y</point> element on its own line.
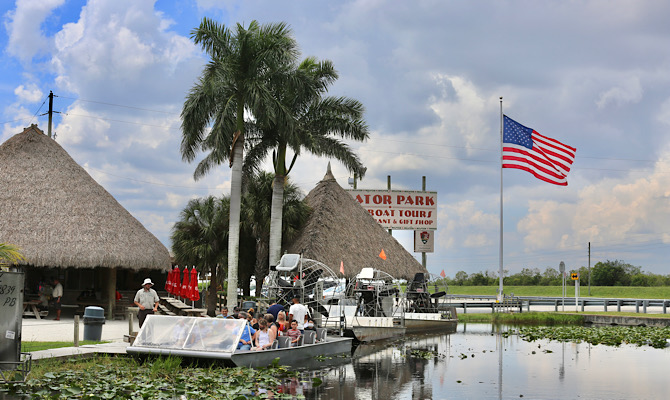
<point>152,183</point>
<point>117,105</point>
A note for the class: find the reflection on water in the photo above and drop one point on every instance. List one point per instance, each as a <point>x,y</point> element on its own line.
<point>477,362</point>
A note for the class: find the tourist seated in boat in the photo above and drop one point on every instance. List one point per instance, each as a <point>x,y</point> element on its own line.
<point>223,313</point>
<point>294,333</point>
<point>180,332</point>
<point>264,337</point>
<point>309,324</point>
<point>272,325</point>
<point>282,323</point>
<point>247,333</point>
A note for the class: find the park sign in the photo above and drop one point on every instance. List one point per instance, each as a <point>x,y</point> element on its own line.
<point>400,209</point>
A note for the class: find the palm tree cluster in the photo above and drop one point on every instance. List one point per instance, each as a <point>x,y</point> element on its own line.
<point>200,235</point>
<point>255,97</point>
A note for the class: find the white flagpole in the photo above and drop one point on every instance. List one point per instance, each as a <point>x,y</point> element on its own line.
<point>500,268</point>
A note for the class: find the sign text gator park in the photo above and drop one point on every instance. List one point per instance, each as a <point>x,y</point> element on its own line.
<point>395,209</point>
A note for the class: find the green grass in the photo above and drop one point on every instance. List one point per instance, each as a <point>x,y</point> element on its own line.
<point>529,318</point>
<point>657,292</point>
<point>37,346</point>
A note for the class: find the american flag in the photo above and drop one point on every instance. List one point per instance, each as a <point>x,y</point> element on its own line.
<point>546,158</point>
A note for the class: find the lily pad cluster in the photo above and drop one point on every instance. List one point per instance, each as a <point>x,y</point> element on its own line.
<point>126,378</point>
<point>607,335</point>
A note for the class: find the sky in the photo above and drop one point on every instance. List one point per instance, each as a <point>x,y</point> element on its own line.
<point>593,74</point>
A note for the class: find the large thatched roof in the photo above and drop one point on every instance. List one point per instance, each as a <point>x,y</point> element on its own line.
<point>341,230</point>
<point>59,216</point>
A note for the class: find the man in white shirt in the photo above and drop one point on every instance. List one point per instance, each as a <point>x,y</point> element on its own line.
<point>297,312</point>
<point>147,300</point>
<point>57,295</point>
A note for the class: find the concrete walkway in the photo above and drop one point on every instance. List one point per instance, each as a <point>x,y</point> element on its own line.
<point>48,330</point>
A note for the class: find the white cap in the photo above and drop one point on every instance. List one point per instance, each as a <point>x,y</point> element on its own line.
<point>148,282</point>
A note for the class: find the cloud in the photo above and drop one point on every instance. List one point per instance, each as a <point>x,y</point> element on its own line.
<point>628,90</point>
<point>466,225</point>
<point>30,93</point>
<point>611,212</point>
<point>121,47</point>
<point>23,25</point>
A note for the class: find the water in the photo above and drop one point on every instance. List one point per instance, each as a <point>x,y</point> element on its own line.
<point>477,362</point>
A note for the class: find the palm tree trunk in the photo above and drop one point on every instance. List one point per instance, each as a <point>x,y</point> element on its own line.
<point>234,225</point>
<point>276,216</point>
<point>235,207</point>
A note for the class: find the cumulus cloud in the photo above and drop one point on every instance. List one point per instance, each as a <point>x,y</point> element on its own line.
<point>609,212</point>
<point>466,225</point>
<point>121,46</point>
<point>462,115</point>
<point>29,93</point>
<point>23,25</point>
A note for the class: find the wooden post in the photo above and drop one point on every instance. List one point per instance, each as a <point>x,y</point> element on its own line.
<point>109,294</point>
<point>76,330</point>
<point>131,322</point>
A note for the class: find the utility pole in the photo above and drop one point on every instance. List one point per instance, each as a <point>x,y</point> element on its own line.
<point>51,110</point>
<point>388,186</point>
<point>589,268</point>
<point>423,253</point>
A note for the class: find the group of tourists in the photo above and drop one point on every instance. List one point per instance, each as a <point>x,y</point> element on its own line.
<point>259,333</point>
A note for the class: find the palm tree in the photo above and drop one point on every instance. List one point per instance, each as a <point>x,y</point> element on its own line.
<point>317,124</point>
<point>10,254</point>
<point>256,208</point>
<point>199,238</point>
<point>235,80</point>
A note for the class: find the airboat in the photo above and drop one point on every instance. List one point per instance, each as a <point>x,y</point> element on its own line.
<point>372,308</point>
<point>215,339</point>
<point>423,310</point>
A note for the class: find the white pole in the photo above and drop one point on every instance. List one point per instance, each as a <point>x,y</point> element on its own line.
<point>500,268</point>
<point>577,294</point>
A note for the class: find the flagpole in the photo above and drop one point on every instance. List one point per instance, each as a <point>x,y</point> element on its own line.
<point>500,256</point>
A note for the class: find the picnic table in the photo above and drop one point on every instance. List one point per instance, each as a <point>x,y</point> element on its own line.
<point>195,312</point>
<point>30,309</point>
<point>180,308</point>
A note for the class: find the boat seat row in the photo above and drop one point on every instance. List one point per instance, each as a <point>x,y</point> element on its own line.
<point>309,337</point>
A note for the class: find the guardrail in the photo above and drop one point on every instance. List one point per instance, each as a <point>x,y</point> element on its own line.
<point>526,302</point>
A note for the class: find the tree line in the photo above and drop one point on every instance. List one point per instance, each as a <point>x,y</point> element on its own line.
<point>604,273</point>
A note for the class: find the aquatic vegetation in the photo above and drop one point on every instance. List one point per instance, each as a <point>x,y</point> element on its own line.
<point>425,354</point>
<point>159,379</point>
<point>606,335</point>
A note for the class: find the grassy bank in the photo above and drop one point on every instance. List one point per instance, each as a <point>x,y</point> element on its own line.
<point>659,292</point>
<point>529,318</point>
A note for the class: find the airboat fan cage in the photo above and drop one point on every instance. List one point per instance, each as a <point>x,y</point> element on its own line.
<point>423,293</point>
<point>303,278</point>
<point>375,293</point>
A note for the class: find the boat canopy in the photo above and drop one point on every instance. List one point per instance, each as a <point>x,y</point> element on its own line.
<point>190,334</point>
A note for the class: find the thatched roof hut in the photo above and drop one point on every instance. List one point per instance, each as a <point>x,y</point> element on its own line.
<point>341,230</point>
<point>59,216</point>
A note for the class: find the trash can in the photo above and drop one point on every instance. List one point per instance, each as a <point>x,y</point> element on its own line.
<point>94,318</point>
